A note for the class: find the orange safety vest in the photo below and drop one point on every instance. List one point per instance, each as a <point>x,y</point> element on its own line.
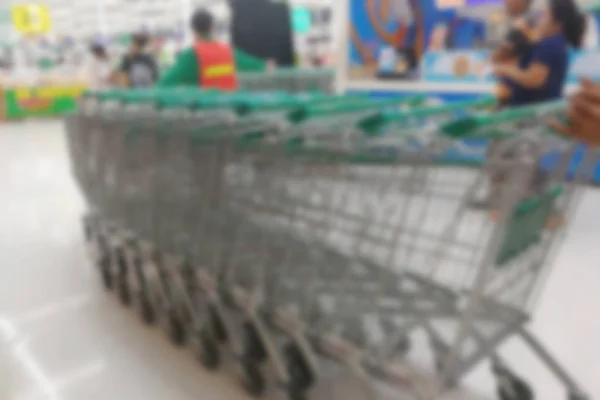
<point>217,65</point>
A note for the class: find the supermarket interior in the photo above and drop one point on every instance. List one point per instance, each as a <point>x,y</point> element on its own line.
<point>299,199</point>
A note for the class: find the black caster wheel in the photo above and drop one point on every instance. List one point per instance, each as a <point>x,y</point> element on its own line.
<point>107,279</point>
<point>578,396</point>
<point>439,365</point>
<point>124,292</point>
<point>509,386</point>
<point>88,231</point>
<point>301,377</point>
<point>146,309</point>
<point>404,346</point>
<point>252,378</point>
<point>176,330</point>
<point>217,325</point>
<point>296,394</point>
<point>207,351</point>
<point>254,348</point>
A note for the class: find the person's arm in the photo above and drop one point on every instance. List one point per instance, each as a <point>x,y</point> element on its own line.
<point>583,115</point>
<point>185,71</point>
<point>245,62</point>
<point>534,76</point>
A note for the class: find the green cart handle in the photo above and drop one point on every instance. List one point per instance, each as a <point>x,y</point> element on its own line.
<point>201,99</point>
<point>489,125</point>
<point>138,96</point>
<point>233,99</point>
<point>190,99</point>
<point>253,103</point>
<point>109,95</point>
<point>372,125</point>
<point>295,103</point>
<point>326,110</point>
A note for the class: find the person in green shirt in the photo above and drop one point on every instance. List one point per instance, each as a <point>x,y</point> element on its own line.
<point>186,69</point>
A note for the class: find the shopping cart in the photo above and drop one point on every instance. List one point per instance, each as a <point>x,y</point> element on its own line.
<point>345,114</point>
<point>126,185</point>
<point>139,183</point>
<point>102,123</point>
<point>324,261</point>
<point>173,237</point>
<point>288,229</point>
<point>299,370</point>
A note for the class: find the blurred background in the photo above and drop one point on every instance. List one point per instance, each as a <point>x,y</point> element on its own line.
<point>48,42</point>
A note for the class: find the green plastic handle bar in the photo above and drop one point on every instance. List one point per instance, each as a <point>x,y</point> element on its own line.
<point>184,98</point>
<point>474,125</point>
<point>110,95</point>
<point>176,101</point>
<point>373,124</point>
<point>252,106</point>
<point>296,103</point>
<point>199,99</point>
<point>140,96</point>
<point>360,105</point>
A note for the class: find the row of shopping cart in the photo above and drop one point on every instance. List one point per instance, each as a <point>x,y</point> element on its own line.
<point>289,228</point>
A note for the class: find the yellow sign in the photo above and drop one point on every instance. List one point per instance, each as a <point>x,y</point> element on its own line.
<point>31,18</point>
<point>49,92</point>
<point>218,71</point>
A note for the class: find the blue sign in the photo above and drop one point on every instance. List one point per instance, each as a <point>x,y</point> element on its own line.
<point>472,66</point>
<point>468,66</point>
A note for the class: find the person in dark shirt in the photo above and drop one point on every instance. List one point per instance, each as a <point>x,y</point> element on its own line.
<point>139,67</point>
<point>516,47</point>
<point>540,74</point>
<point>543,75</point>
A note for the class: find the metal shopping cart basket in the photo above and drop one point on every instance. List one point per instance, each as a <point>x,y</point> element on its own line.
<point>128,189</point>
<point>157,159</point>
<point>153,169</point>
<point>99,160</point>
<point>224,229</point>
<point>174,235</point>
<point>358,275</point>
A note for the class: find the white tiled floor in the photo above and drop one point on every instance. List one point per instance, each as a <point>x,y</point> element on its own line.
<point>63,338</point>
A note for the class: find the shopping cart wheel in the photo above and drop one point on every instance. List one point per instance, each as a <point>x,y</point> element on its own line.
<point>217,325</point>
<point>253,379</point>
<point>403,346</point>
<point>300,375</point>
<point>578,396</point>
<point>123,289</point>
<point>296,394</point>
<point>105,274</point>
<point>88,231</point>
<point>254,348</point>
<point>146,309</point>
<point>509,385</point>
<point>175,329</point>
<point>207,350</point>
